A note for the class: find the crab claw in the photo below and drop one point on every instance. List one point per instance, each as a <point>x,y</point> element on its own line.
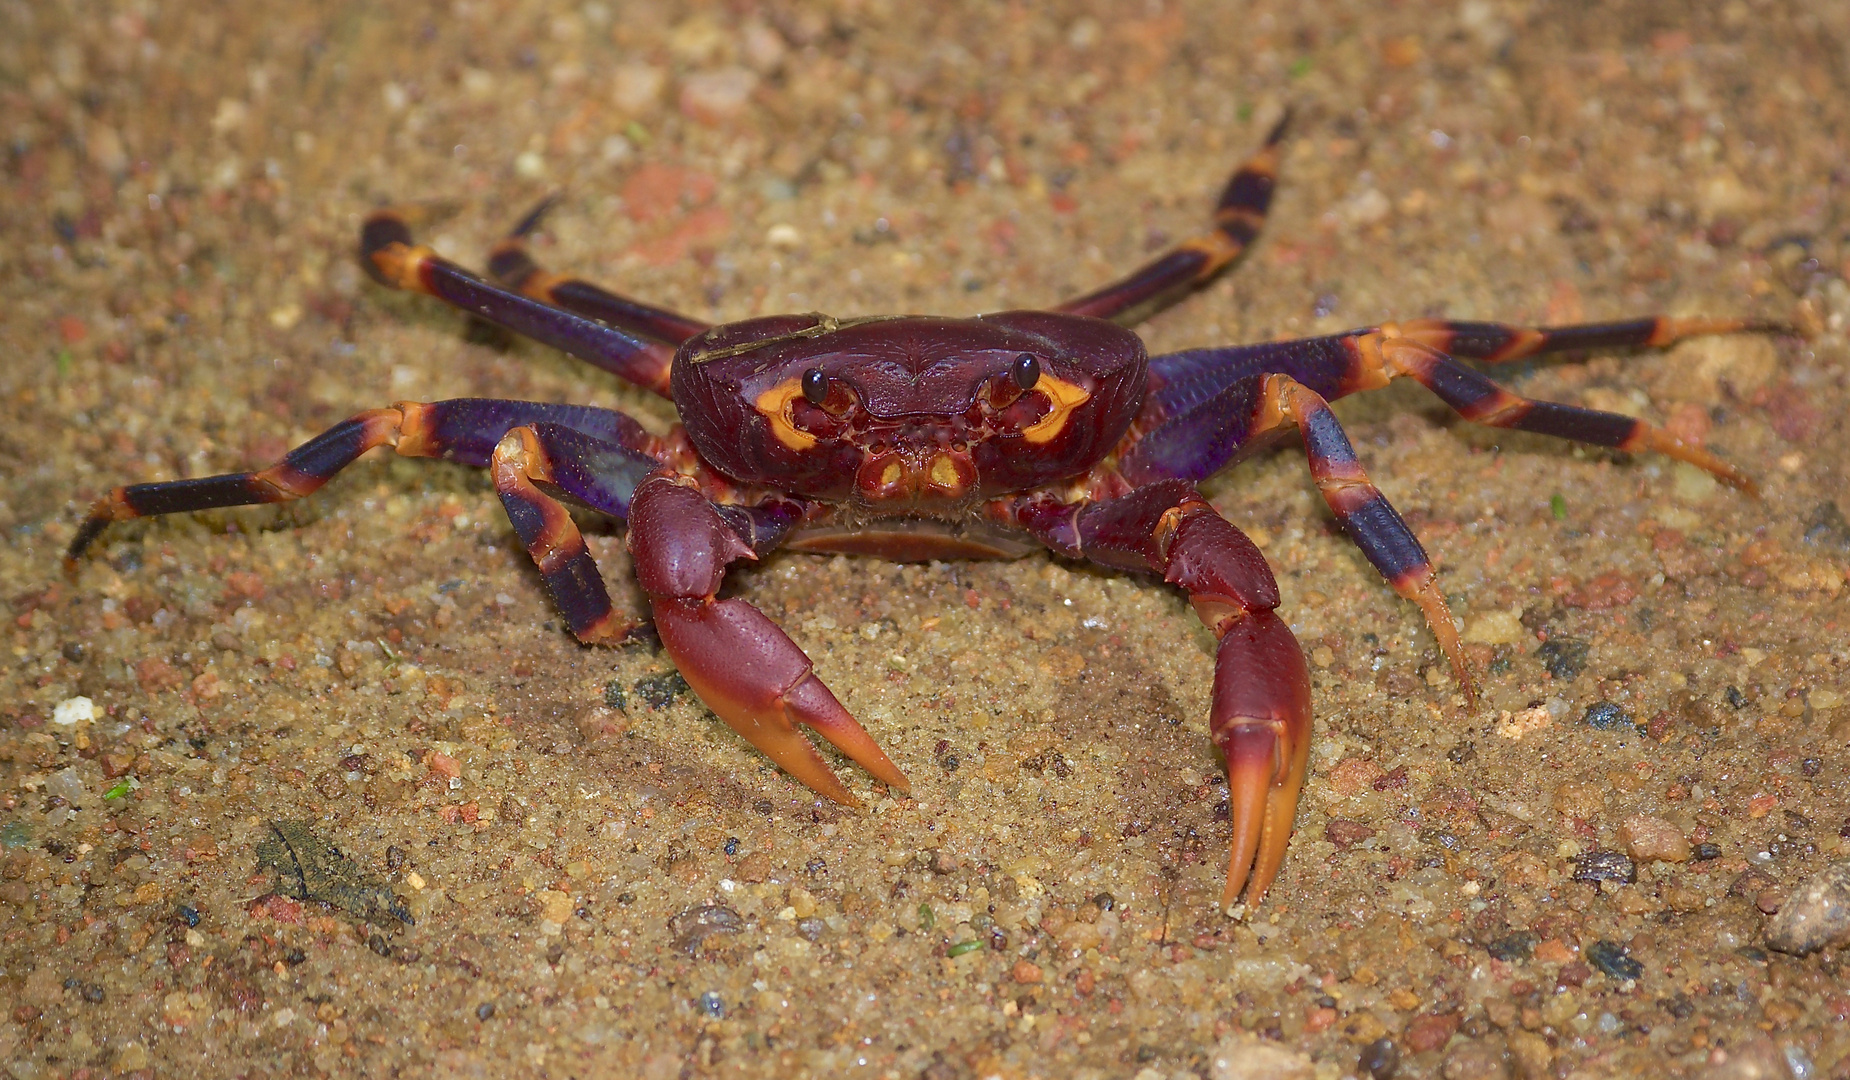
<point>736,660</point>
<point>1261,721</point>
<point>759,682</point>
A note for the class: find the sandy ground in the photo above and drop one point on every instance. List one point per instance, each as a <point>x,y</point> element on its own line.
<point>524,857</point>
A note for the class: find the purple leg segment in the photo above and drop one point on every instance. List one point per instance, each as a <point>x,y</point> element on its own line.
<point>390,256</point>
<point>512,265</point>
<point>600,474</point>
<point>1171,275</point>
<point>462,429</point>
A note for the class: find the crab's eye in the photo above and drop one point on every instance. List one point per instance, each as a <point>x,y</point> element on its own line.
<point>1026,371</point>
<point>815,386</point>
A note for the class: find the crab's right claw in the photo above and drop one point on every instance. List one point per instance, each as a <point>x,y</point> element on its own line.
<point>736,660</point>
<point>1261,721</point>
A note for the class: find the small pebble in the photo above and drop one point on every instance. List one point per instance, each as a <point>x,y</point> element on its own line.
<point>1652,838</point>
<point>1612,866</point>
<point>659,691</point>
<point>1563,657</point>
<point>1476,1059</point>
<point>1610,958</point>
<point>1379,1059</point>
<point>713,1005</point>
<point>1244,1056</point>
<point>1815,915</point>
<point>1606,716</point>
<point>77,710</point>
<point>1758,1059</point>
<point>485,1010</point>
<point>1512,947</point>
<point>711,96</point>
<point>693,926</point>
<point>1430,1032</point>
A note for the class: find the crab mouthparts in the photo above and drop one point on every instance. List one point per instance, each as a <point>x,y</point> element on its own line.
<point>916,475</point>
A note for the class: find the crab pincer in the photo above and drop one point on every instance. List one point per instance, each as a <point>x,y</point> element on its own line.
<point>1260,717</point>
<point>735,658</point>
<point>1261,720</point>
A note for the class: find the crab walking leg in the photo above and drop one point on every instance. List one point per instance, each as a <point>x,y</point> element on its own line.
<point>1480,400</point>
<point>1196,416</point>
<point>1370,520</point>
<point>461,429</point>
<point>1498,343</point>
<point>599,474</point>
<point>1260,717</point>
<point>390,256</point>
<point>512,265</point>
<point>746,670</point>
<point>1167,278</point>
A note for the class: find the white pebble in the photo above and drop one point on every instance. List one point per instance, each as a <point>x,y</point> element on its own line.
<point>77,710</point>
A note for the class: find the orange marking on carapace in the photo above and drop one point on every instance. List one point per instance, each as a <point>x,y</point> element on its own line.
<point>114,506</point>
<point>775,405</point>
<point>1216,249</point>
<point>1062,397</point>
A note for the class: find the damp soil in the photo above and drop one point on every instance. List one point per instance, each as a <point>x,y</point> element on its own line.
<point>342,797</point>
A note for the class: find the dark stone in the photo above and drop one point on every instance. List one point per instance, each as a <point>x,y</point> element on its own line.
<point>1825,526</point>
<point>1512,947</point>
<point>693,926</point>
<point>1564,657</point>
<point>485,1011</point>
<point>1605,716</point>
<point>1379,1059</point>
<point>1597,866</point>
<point>659,691</point>
<point>1611,958</point>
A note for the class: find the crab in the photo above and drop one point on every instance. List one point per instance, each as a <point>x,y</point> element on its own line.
<point>915,437</point>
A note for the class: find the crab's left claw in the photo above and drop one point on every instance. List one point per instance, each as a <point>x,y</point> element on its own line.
<point>1261,721</point>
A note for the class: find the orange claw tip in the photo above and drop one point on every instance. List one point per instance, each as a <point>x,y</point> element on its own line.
<point>810,702</point>
<point>1266,763</point>
<point>791,752</point>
